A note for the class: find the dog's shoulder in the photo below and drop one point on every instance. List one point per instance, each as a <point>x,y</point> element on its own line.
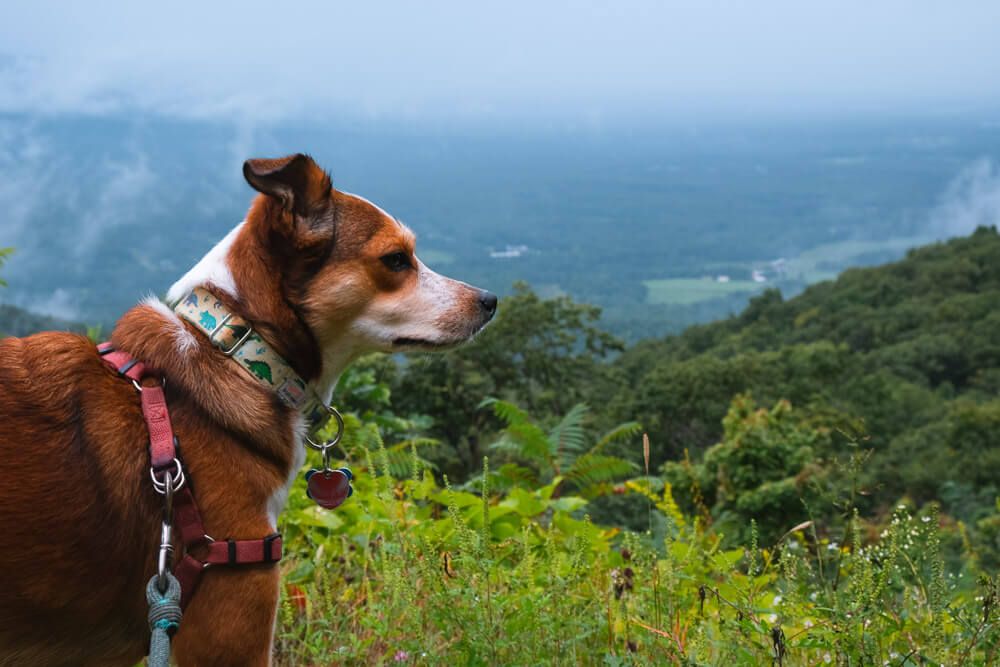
<point>45,364</point>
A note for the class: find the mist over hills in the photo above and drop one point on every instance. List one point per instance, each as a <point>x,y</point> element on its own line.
<point>662,225</point>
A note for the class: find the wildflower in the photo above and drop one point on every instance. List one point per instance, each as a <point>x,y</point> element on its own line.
<point>401,656</point>
<point>827,658</point>
<point>773,618</point>
<point>833,546</point>
<point>621,581</point>
<point>808,624</point>
<point>777,600</point>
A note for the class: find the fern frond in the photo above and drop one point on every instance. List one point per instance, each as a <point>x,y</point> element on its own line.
<point>414,442</point>
<point>593,469</point>
<point>521,437</point>
<point>621,432</point>
<point>400,462</point>
<point>506,411</point>
<point>568,437</point>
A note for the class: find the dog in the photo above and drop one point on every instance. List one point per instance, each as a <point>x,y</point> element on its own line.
<point>322,277</point>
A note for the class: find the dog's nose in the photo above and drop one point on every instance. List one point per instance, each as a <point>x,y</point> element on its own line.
<point>488,300</point>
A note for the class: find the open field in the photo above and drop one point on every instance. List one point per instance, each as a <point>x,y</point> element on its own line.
<point>684,291</point>
<point>822,262</point>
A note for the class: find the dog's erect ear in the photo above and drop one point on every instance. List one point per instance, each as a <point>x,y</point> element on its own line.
<point>296,181</point>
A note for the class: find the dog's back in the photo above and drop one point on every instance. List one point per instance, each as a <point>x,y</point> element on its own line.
<point>57,463</point>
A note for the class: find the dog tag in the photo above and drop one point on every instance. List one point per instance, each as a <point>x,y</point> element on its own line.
<point>329,488</point>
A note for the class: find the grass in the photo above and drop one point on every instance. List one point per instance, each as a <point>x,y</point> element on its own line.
<point>812,266</point>
<point>410,572</point>
<point>808,265</point>
<point>686,291</point>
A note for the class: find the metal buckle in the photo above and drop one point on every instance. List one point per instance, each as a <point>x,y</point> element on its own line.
<point>175,481</point>
<point>235,346</point>
<point>166,553</point>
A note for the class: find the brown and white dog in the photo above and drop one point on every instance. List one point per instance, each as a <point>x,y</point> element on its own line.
<point>324,276</point>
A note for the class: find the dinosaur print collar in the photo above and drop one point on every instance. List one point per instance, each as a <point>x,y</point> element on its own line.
<point>236,338</point>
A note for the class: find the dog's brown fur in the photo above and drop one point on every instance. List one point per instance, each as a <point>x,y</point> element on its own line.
<point>78,519</point>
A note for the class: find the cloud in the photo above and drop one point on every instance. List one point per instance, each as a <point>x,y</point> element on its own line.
<point>971,199</point>
<point>60,303</point>
<point>450,58</point>
<point>124,196</point>
<point>27,177</point>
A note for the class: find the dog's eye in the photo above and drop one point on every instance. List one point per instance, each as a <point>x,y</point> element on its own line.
<point>396,261</point>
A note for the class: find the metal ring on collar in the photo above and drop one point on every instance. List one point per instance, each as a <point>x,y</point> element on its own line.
<point>337,436</point>
<point>176,480</point>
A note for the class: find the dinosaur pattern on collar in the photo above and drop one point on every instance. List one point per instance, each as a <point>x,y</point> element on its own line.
<point>238,340</point>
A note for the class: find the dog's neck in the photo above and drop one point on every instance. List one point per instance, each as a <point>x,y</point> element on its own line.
<point>252,284</point>
<point>237,339</point>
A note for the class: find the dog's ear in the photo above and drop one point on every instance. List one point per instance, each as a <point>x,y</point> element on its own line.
<point>296,181</point>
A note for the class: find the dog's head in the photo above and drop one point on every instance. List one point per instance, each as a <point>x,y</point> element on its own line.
<point>339,266</point>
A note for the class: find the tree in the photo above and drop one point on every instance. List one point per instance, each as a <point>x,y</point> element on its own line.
<point>760,470</point>
<point>544,354</point>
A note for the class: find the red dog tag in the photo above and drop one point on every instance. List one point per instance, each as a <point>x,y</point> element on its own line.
<point>329,488</point>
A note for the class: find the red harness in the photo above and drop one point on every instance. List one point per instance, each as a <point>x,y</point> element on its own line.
<point>164,460</point>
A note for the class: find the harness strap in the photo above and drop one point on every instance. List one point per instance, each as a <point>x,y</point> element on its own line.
<point>186,516</point>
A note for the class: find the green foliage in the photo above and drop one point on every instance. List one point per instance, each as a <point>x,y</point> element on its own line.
<point>543,353</point>
<point>4,254</point>
<point>415,572</point>
<point>564,455</point>
<point>765,469</point>
<point>910,350</point>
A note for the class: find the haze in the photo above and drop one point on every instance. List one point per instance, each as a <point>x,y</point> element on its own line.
<point>447,59</point>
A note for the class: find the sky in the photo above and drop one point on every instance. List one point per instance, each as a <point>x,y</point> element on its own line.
<point>262,61</point>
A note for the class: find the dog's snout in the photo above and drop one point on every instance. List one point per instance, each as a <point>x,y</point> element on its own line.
<point>488,301</point>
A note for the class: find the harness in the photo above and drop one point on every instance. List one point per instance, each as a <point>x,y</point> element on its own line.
<point>169,480</point>
<point>169,592</point>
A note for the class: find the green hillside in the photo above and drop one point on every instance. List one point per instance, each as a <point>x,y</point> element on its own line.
<point>901,360</point>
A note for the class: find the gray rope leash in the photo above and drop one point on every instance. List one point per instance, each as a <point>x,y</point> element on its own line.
<point>164,618</point>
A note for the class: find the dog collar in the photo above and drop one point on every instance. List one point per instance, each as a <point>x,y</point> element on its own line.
<point>235,337</point>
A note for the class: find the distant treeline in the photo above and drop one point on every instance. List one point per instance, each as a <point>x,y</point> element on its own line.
<point>16,321</point>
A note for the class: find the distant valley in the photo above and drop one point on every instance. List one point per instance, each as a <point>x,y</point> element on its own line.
<point>662,226</point>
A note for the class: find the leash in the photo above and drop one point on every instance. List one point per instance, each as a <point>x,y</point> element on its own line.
<point>164,618</point>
